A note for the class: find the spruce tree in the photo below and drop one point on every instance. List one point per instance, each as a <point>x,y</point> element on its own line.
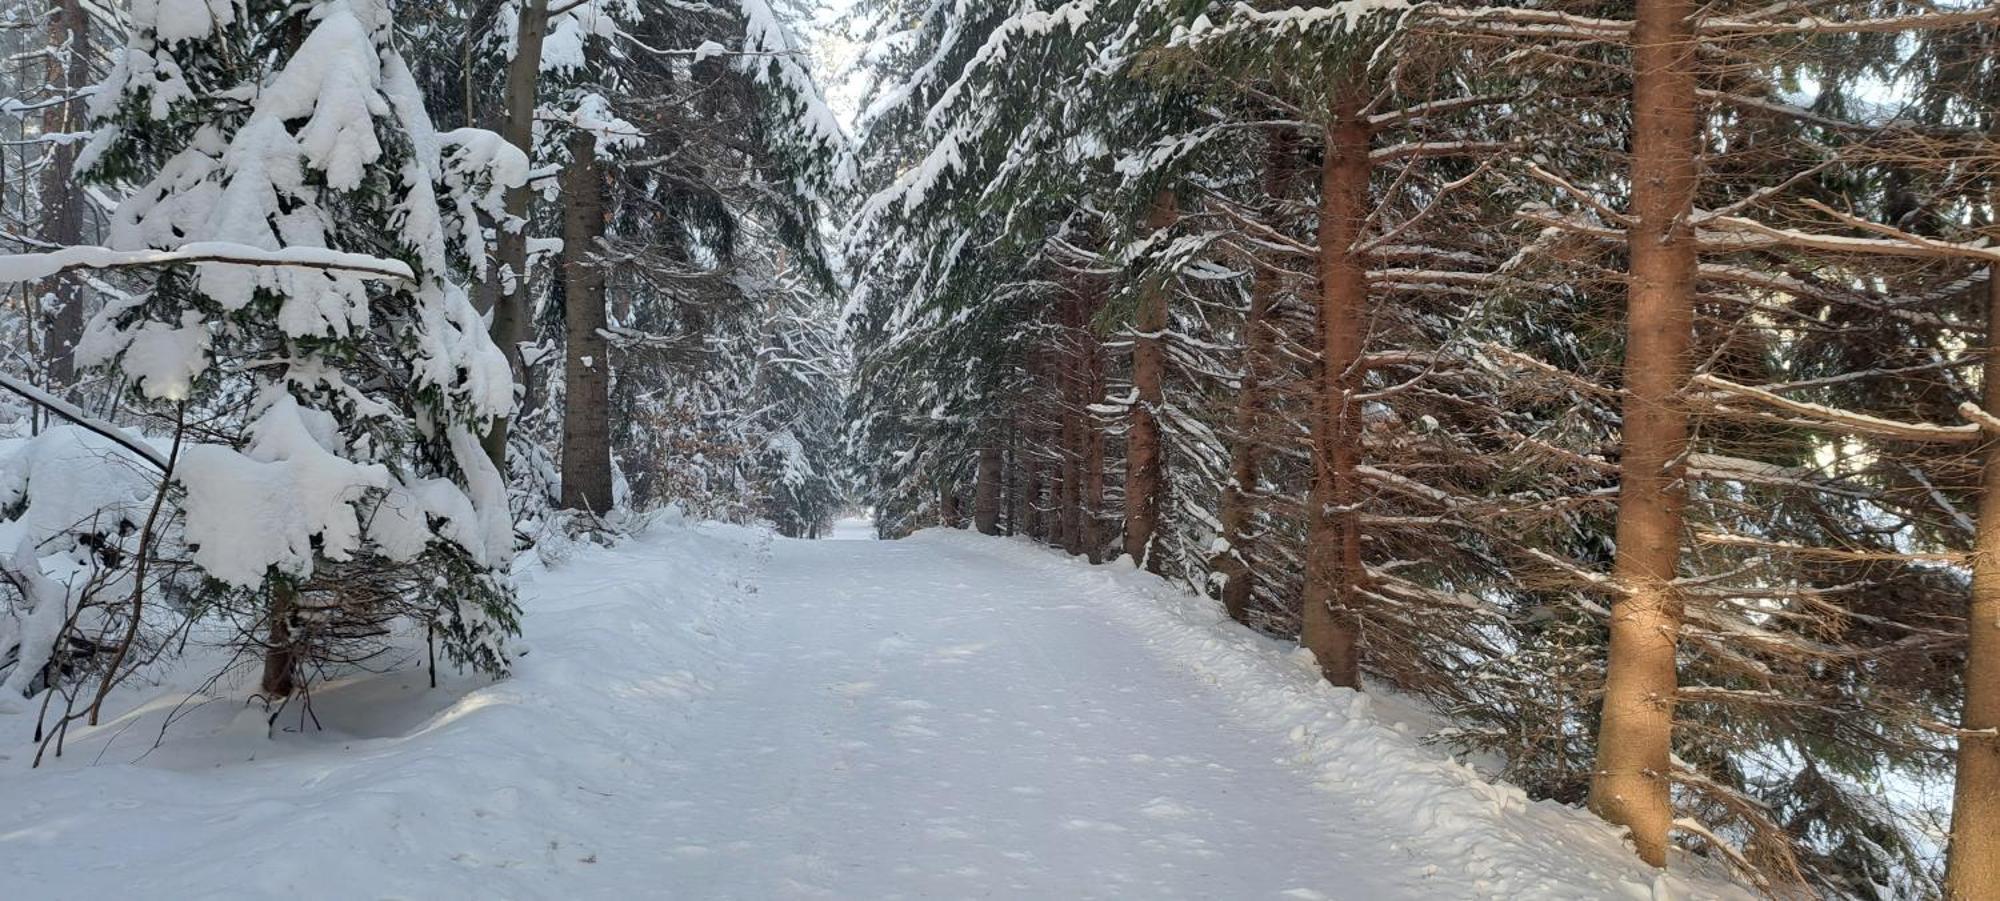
<point>352,493</point>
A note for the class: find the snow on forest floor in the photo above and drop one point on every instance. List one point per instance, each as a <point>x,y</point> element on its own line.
<point>709,713</point>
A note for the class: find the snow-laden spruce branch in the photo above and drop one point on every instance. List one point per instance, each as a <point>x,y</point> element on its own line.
<point>27,267</point>
<point>1536,23</point>
<point>137,445</point>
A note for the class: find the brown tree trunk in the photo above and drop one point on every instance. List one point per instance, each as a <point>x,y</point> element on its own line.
<point>1145,468</point>
<point>1030,510</point>
<point>61,199</point>
<point>510,310</point>
<point>1073,382</point>
<point>1238,502</point>
<point>1331,628</point>
<point>986,493</point>
<point>1028,459</point>
<point>1972,871</point>
<point>1092,502</point>
<point>948,507</point>
<point>1629,786</point>
<point>282,654</point>
<point>586,442</point>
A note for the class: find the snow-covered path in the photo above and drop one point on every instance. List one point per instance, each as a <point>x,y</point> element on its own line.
<point>708,713</point>
<point>930,724</point>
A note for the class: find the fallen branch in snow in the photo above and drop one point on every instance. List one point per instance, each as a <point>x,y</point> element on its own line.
<point>27,267</point>
<point>69,411</point>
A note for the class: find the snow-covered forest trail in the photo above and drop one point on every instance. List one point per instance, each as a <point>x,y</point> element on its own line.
<point>709,713</point>
<point>925,718</point>
<point>954,716</point>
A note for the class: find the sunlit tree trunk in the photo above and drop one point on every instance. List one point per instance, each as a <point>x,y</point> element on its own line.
<point>1973,869</point>
<point>1629,786</point>
<point>1331,627</point>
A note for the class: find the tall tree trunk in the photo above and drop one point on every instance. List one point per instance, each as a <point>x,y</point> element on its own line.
<point>1073,380</point>
<point>61,199</point>
<point>1629,786</point>
<point>586,444</point>
<point>1238,505</point>
<point>1092,502</point>
<point>986,493</point>
<point>1030,510</point>
<point>1331,627</point>
<point>1145,468</point>
<point>1972,871</point>
<point>1010,480</point>
<point>510,309</point>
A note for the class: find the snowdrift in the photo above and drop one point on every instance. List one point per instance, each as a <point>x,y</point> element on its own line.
<point>405,790</point>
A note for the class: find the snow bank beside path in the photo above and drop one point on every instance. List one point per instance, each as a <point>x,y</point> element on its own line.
<point>1443,811</point>
<point>521,788</point>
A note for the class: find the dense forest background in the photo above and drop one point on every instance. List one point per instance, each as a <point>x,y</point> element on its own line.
<point>1613,377</point>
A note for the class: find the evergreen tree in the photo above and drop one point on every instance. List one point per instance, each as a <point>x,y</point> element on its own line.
<point>352,490</point>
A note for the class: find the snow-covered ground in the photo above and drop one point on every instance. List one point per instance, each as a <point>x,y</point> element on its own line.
<point>709,713</point>
<point>853,529</point>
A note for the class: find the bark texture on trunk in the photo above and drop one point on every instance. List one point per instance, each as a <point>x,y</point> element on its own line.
<point>586,441</point>
<point>1331,628</point>
<point>1629,784</point>
<point>948,507</point>
<point>61,197</point>
<point>510,306</point>
<point>282,654</point>
<point>1068,530</point>
<point>986,493</point>
<point>1237,509</point>
<point>1145,466</point>
<point>1074,388</point>
<point>1092,501</point>
<point>1972,871</point>
<point>1028,460</point>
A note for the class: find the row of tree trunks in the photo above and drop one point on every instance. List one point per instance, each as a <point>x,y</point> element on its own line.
<point>1629,785</point>
<point>61,200</point>
<point>586,446</point>
<point>1331,628</point>
<point>1145,459</point>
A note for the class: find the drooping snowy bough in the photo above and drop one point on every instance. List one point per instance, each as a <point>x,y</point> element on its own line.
<point>327,489</point>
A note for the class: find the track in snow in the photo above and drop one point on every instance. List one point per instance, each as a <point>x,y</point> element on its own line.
<point>917,719</point>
